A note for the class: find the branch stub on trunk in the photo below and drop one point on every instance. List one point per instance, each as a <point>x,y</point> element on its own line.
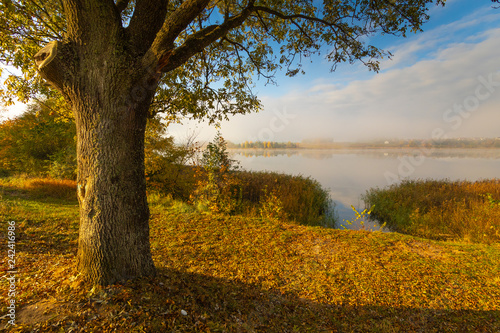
<point>54,61</point>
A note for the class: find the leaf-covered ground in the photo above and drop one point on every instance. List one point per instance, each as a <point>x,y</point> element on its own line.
<point>235,274</point>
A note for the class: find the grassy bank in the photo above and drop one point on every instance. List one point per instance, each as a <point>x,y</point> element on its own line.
<point>239,274</point>
<point>297,198</point>
<point>462,210</point>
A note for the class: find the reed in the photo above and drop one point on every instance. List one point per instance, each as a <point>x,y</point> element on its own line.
<point>440,209</point>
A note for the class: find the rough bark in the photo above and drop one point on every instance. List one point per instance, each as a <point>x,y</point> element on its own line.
<point>113,242</point>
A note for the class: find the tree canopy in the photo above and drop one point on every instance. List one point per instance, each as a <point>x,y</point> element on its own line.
<point>208,51</point>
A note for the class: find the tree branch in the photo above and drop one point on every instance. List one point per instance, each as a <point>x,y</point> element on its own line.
<point>199,40</point>
<point>254,61</point>
<point>294,16</point>
<point>147,20</point>
<point>402,13</point>
<point>337,29</point>
<point>175,24</point>
<point>55,63</point>
<point>56,29</point>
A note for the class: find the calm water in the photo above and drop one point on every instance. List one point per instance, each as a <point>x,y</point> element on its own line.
<point>347,174</point>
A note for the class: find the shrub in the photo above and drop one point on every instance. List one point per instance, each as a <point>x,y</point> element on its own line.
<point>63,164</point>
<point>271,206</point>
<point>165,162</point>
<point>4,173</point>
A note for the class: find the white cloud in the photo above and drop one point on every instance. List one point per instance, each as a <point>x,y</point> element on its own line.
<point>407,102</point>
<point>442,37</point>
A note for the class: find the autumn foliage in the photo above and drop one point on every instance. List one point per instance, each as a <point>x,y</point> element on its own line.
<point>39,142</point>
<point>222,188</point>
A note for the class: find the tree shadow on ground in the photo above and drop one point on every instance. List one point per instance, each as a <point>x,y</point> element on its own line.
<point>182,301</point>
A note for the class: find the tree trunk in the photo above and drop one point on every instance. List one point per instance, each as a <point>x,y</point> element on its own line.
<point>111,116</point>
<point>110,92</point>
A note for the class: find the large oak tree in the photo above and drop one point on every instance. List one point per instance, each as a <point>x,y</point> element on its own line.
<point>116,63</point>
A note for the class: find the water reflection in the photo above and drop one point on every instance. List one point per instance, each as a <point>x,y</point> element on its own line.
<point>321,154</point>
<point>348,174</point>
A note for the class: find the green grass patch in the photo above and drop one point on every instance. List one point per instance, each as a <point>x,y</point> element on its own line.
<point>440,209</point>
<point>241,274</point>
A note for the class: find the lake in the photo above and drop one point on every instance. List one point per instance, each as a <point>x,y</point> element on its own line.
<point>349,173</point>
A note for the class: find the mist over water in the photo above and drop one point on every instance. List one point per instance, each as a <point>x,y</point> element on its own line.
<point>348,174</point>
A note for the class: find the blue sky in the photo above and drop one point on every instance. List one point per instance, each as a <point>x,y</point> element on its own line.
<point>443,82</point>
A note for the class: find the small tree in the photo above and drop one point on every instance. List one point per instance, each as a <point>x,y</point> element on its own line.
<point>217,189</point>
<point>215,157</point>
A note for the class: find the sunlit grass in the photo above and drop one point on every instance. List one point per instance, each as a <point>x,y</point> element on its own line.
<point>41,187</point>
<point>468,211</point>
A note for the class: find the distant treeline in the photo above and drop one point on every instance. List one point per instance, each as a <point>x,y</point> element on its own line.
<point>442,143</point>
<point>263,145</point>
<point>392,143</point>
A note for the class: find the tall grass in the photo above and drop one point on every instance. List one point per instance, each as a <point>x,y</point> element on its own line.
<point>440,209</point>
<point>302,199</point>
